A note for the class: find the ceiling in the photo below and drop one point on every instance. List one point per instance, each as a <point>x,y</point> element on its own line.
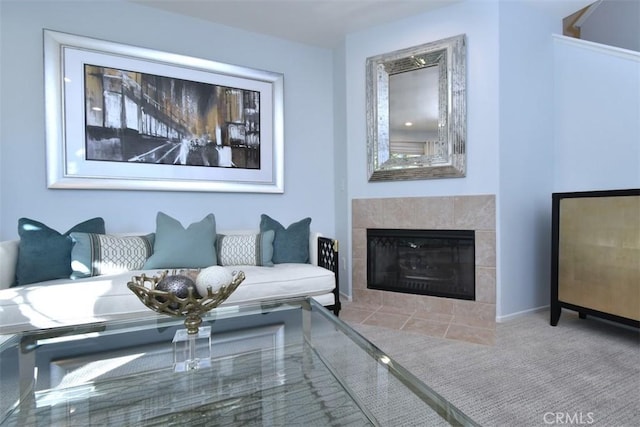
<point>322,23</point>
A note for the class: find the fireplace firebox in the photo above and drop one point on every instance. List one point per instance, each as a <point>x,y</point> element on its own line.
<point>425,262</point>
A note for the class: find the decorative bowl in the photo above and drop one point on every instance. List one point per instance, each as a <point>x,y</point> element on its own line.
<point>193,306</point>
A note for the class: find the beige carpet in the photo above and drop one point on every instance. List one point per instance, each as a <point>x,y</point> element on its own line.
<point>582,372</point>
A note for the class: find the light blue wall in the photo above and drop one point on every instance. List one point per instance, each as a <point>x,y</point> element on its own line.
<point>597,117</point>
<point>341,165</point>
<point>479,21</point>
<point>526,156</point>
<point>309,133</point>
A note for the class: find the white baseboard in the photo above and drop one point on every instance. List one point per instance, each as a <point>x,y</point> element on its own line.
<point>511,316</point>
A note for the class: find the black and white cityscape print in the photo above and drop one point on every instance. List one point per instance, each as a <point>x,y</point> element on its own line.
<point>145,118</point>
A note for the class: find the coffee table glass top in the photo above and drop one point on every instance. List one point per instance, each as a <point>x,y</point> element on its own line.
<point>287,363</point>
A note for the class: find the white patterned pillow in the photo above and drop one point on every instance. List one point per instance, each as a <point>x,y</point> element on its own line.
<point>98,254</point>
<point>245,249</point>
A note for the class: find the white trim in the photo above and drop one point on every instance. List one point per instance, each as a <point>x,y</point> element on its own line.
<point>599,47</point>
<point>515,315</point>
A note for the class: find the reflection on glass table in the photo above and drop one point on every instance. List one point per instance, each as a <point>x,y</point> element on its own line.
<point>287,363</point>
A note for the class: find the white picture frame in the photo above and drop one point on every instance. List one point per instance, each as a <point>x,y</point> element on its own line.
<point>165,108</point>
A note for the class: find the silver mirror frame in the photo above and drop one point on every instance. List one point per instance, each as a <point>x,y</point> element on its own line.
<point>449,55</point>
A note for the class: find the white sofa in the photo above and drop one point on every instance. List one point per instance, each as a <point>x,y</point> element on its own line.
<point>93,299</point>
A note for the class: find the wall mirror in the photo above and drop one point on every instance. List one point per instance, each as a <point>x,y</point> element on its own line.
<point>416,112</point>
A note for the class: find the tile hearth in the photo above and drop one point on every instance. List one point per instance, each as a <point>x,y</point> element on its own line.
<point>421,322</point>
<point>472,321</point>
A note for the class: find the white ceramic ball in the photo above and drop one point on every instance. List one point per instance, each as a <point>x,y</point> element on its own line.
<point>214,277</point>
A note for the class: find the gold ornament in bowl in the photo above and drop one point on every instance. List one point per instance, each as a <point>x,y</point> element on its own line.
<point>189,302</point>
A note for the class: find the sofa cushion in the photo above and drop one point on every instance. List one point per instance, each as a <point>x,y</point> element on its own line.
<point>99,254</point>
<point>179,247</point>
<point>245,249</point>
<point>282,281</point>
<point>44,253</point>
<point>290,244</point>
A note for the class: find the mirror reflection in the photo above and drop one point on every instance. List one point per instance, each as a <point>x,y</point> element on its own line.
<point>416,112</point>
<point>413,112</point>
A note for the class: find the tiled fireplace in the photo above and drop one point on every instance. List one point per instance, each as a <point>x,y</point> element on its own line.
<point>468,320</point>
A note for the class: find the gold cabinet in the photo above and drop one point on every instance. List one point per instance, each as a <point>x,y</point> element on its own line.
<point>595,265</point>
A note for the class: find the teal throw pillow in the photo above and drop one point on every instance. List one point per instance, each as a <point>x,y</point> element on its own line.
<point>290,244</point>
<point>44,253</point>
<point>98,254</point>
<point>246,249</point>
<point>179,247</point>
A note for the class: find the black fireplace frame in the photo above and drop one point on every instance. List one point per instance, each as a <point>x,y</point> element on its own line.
<point>413,234</point>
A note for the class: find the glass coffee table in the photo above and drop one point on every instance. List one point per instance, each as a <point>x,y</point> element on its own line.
<point>281,364</point>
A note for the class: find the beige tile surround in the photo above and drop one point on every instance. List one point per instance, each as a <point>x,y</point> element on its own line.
<point>472,321</point>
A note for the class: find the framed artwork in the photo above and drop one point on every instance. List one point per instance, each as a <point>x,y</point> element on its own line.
<point>125,117</point>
